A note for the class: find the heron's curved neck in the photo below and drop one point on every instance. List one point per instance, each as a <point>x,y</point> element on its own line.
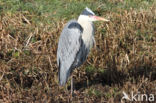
<point>88,31</point>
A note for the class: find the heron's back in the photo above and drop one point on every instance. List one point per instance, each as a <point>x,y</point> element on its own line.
<point>73,48</point>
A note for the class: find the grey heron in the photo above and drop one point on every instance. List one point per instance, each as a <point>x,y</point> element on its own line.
<point>75,42</point>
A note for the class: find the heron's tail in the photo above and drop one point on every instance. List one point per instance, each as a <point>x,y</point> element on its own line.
<point>63,76</point>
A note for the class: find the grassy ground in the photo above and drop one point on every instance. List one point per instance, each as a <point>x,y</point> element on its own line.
<point>124,58</point>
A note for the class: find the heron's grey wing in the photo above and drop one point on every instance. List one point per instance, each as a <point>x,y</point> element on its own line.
<point>68,47</point>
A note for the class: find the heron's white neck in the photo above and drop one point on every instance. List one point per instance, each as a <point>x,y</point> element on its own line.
<point>88,30</point>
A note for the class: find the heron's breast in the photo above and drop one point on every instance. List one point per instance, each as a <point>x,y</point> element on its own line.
<point>88,36</point>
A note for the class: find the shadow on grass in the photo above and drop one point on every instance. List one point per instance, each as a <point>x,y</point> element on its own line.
<point>114,77</point>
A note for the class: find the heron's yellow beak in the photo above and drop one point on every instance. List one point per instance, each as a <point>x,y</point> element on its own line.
<point>100,18</point>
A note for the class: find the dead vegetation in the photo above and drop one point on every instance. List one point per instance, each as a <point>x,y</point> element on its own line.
<point>124,59</point>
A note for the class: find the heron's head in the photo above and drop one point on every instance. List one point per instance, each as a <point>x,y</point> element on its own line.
<point>88,15</point>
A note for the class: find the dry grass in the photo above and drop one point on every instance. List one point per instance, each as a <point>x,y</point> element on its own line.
<point>124,59</point>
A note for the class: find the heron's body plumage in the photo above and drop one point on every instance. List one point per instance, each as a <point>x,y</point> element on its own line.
<point>74,45</point>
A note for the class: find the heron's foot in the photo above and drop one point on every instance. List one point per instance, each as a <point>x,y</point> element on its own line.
<point>72,94</point>
<point>75,93</point>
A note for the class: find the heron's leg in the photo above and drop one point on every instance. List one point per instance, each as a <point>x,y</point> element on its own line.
<point>71,84</point>
<point>94,43</point>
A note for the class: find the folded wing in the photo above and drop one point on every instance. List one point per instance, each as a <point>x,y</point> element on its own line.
<point>69,46</point>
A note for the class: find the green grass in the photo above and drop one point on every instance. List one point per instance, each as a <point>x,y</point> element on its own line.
<point>46,10</point>
<point>90,69</point>
<point>94,92</point>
